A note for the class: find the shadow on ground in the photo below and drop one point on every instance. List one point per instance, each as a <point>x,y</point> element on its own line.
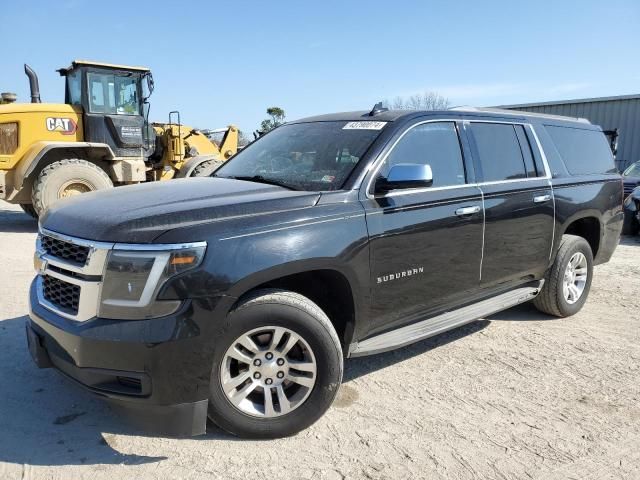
<point>357,367</point>
<point>46,420</point>
<point>16,221</point>
<point>632,240</point>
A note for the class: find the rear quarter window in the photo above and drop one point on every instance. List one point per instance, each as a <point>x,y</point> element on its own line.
<point>584,152</point>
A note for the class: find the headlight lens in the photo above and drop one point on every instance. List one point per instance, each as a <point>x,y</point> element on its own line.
<point>133,278</point>
<point>8,138</point>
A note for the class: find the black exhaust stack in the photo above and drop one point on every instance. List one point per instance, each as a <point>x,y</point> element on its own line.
<point>33,84</point>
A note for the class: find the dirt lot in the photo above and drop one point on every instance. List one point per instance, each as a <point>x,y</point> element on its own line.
<point>518,395</point>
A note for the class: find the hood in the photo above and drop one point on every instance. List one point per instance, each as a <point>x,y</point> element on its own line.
<point>140,213</point>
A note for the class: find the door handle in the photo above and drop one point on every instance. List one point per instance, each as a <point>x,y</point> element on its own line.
<point>464,211</point>
<point>541,198</point>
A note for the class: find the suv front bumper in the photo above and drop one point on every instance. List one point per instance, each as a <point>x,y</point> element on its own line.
<point>154,371</point>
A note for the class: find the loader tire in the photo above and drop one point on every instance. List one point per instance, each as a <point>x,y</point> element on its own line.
<point>29,210</point>
<point>66,178</point>
<point>206,168</point>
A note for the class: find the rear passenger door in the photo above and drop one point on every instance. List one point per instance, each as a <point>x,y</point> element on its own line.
<point>518,202</point>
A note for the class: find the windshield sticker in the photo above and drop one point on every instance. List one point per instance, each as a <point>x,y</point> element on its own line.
<point>364,126</point>
<point>328,178</point>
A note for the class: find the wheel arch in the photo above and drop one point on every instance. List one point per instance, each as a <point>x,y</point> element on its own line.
<point>42,154</point>
<point>587,225</point>
<point>331,288</point>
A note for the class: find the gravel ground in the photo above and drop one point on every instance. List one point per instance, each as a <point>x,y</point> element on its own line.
<point>518,395</point>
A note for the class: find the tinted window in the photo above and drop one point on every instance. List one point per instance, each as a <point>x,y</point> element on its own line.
<point>499,151</point>
<point>435,144</point>
<point>583,151</point>
<point>315,156</point>
<point>632,170</point>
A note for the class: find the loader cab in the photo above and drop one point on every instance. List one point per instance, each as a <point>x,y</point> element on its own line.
<point>113,100</point>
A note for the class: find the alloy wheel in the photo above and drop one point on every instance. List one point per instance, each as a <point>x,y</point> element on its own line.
<point>268,372</point>
<point>575,278</point>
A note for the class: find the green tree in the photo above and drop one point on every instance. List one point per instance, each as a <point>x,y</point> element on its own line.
<point>277,118</point>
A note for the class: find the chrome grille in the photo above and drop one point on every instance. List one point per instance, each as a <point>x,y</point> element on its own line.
<point>70,274</point>
<point>65,250</point>
<point>61,294</point>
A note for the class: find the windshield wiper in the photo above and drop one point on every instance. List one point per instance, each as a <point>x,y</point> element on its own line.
<point>261,179</point>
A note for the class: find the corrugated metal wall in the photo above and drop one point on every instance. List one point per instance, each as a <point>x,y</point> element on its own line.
<point>623,114</point>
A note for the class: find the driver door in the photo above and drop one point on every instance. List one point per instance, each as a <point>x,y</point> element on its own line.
<point>113,114</point>
<point>425,243</point>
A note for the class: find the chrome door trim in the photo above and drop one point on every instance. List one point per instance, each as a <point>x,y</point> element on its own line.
<point>378,162</point>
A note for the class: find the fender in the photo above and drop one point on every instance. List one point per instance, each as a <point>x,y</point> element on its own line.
<point>301,266</point>
<point>562,229</point>
<point>31,159</point>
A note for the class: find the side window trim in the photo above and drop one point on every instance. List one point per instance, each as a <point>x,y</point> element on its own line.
<point>527,154</point>
<point>538,154</point>
<point>536,150</point>
<point>379,162</point>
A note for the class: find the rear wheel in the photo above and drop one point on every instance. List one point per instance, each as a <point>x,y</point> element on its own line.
<point>278,368</point>
<point>568,281</point>
<point>29,210</point>
<point>67,178</point>
<point>206,168</point>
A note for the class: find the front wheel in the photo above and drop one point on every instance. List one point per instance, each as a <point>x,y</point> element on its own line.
<point>29,210</point>
<point>67,178</point>
<point>277,366</point>
<point>568,281</point>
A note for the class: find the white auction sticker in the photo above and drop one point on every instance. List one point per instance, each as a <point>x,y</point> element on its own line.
<point>364,126</point>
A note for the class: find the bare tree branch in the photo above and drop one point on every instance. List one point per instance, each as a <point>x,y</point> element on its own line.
<point>425,101</point>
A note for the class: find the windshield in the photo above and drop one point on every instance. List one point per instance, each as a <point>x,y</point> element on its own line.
<point>633,170</point>
<point>113,94</point>
<point>316,156</point>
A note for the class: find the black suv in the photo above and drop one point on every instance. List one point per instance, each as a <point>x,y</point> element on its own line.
<point>238,297</point>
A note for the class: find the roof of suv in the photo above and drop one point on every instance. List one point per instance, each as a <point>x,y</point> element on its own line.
<point>394,115</point>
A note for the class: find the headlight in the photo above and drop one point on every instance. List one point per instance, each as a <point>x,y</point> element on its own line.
<point>8,138</point>
<point>133,278</point>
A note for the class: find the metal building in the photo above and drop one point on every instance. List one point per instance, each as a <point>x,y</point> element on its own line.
<point>621,113</point>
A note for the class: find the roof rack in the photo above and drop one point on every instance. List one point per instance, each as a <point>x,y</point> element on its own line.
<point>503,111</point>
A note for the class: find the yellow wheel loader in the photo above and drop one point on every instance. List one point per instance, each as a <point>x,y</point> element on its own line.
<point>99,138</point>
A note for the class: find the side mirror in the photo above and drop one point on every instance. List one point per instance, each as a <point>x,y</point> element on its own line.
<point>405,175</point>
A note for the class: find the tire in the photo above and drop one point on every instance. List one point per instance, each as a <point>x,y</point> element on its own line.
<point>281,310</point>
<point>630,224</point>
<point>69,176</point>
<point>552,299</point>
<point>29,210</point>
<point>206,168</point>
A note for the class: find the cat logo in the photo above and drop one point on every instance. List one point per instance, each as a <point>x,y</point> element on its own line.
<point>65,126</point>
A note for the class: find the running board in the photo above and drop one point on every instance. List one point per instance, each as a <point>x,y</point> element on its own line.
<point>443,322</point>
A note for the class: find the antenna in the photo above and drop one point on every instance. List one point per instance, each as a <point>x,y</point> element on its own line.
<point>377,108</point>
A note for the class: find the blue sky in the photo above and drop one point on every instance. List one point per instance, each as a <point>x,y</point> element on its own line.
<point>226,62</point>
